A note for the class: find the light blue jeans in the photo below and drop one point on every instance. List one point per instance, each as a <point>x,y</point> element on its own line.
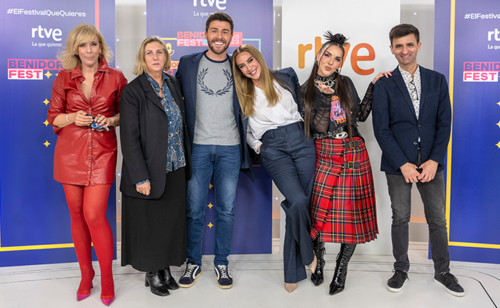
<point>223,162</point>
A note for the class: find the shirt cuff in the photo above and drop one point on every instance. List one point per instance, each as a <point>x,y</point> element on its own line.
<point>257,145</point>
<point>140,183</point>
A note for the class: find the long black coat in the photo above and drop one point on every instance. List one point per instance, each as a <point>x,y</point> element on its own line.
<point>144,133</point>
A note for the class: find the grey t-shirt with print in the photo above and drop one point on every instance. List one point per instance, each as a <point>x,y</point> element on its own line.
<point>215,122</point>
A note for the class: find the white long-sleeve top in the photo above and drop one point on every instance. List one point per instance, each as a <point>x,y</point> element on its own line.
<point>266,118</point>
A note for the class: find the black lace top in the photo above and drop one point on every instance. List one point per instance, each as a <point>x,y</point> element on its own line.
<point>326,118</point>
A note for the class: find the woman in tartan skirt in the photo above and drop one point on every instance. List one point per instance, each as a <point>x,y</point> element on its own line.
<point>343,198</point>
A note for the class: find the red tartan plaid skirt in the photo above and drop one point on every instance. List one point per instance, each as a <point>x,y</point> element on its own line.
<point>343,199</point>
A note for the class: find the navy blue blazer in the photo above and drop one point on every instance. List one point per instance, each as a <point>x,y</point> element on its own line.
<point>396,126</point>
<point>288,77</point>
<point>186,74</point>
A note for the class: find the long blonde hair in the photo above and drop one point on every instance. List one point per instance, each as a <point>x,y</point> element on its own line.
<point>80,34</point>
<point>244,86</point>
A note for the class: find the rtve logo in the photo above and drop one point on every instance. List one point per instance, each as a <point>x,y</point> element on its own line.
<point>496,32</point>
<point>47,33</point>
<point>218,3</point>
<point>355,57</point>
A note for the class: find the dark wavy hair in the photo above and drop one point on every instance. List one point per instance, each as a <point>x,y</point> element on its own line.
<point>342,87</point>
<point>219,16</point>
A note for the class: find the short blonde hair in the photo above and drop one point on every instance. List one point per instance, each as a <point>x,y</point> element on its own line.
<point>81,34</point>
<point>140,62</point>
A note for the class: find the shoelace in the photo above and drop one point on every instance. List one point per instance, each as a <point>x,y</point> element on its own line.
<point>223,271</point>
<point>189,270</point>
<point>449,276</point>
<point>403,275</point>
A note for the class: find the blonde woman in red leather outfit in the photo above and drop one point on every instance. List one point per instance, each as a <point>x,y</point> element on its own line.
<point>85,158</point>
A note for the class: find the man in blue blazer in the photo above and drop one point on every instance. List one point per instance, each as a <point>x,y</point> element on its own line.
<point>217,129</point>
<point>412,122</point>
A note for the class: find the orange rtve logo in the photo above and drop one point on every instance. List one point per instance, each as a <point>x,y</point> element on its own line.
<point>355,57</point>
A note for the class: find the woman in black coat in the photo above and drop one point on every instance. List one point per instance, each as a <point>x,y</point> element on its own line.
<point>156,157</point>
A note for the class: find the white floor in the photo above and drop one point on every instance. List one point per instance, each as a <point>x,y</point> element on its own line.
<point>258,282</point>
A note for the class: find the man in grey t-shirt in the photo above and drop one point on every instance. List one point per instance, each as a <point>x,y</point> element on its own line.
<point>218,132</point>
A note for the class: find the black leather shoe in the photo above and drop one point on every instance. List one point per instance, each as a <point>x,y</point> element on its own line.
<point>168,279</point>
<point>155,282</point>
<point>340,275</point>
<point>319,250</point>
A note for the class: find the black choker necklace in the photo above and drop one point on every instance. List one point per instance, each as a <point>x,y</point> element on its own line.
<point>327,81</point>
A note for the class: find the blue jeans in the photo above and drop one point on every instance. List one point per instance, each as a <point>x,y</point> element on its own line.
<point>224,163</point>
<point>290,159</point>
<point>432,194</point>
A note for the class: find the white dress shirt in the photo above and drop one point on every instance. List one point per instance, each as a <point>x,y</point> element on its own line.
<point>266,118</point>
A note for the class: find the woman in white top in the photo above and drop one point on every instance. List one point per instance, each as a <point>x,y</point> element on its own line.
<point>276,131</point>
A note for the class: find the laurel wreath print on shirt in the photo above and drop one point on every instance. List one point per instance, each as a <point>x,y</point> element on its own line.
<point>206,90</point>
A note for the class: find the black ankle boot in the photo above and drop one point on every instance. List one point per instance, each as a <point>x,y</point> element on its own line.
<point>319,250</point>
<point>168,279</point>
<point>339,277</point>
<point>155,282</point>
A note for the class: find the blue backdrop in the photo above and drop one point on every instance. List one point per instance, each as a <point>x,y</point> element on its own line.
<point>181,24</point>
<point>473,51</point>
<point>34,218</point>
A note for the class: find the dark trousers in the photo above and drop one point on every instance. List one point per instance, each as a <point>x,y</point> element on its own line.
<point>433,197</point>
<point>290,158</point>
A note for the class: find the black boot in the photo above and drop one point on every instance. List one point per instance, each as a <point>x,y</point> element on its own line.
<point>168,279</point>
<point>319,251</point>
<point>339,277</point>
<point>155,282</point>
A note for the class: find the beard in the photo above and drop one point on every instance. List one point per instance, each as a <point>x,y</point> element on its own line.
<point>212,47</point>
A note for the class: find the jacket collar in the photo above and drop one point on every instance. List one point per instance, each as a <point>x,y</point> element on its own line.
<point>424,85</point>
<point>197,58</point>
<point>404,90</point>
<point>103,67</point>
<point>149,91</point>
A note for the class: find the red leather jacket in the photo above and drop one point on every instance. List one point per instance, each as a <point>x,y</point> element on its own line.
<point>84,156</point>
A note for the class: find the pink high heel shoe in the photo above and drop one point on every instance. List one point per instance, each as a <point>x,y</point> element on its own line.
<point>107,301</point>
<point>80,297</point>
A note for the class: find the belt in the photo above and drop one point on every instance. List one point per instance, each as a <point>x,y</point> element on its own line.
<point>341,135</point>
<point>351,144</point>
<point>351,165</point>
